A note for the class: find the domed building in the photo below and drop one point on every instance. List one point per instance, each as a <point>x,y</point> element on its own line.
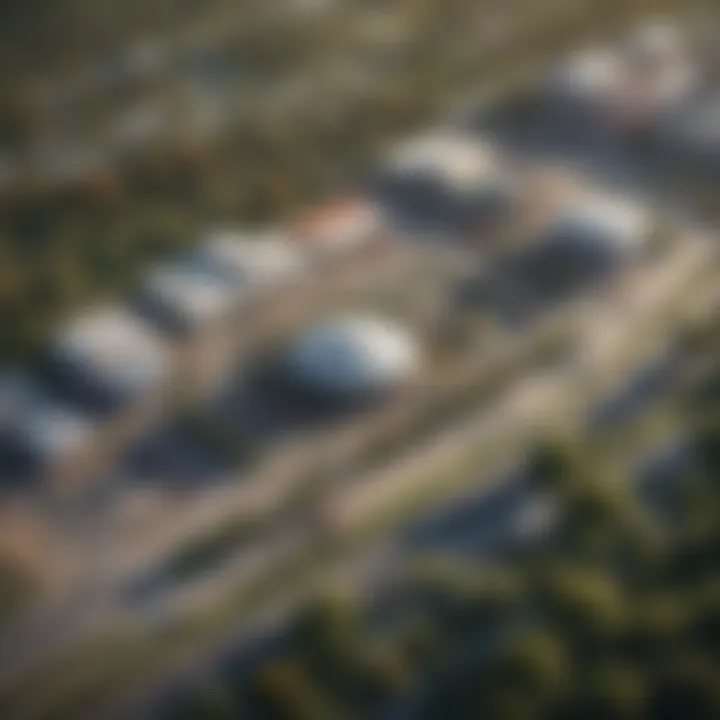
<point>603,226</point>
<point>585,84</point>
<point>445,179</point>
<point>352,358</point>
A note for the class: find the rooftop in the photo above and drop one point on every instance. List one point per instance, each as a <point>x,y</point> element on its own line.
<point>252,260</point>
<point>354,354</point>
<point>186,292</point>
<point>459,161</point>
<point>115,347</point>
<point>340,224</point>
<point>620,222</point>
<point>38,422</point>
<point>589,75</point>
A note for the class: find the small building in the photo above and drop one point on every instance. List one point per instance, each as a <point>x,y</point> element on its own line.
<point>661,72</point>
<point>184,299</point>
<point>444,177</point>
<point>691,134</point>
<point>339,227</point>
<point>603,226</point>
<point>585,85</point>
<point>654,43</point>
<point>625,88</point>
<point>587,242</point>
<point>352,358</point>
<point>255,263</point>
<point>38,434</point>
<point>109,357</point>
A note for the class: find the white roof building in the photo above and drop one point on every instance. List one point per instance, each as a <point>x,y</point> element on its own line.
<point>590,77</point>
<point>615,224</point>
<point>461,163</point>
<point>252,261</point>
<point>646,74</point>
<point>694,128</point>
<point>354,356</point>
<point>184,296</point>
<point>338,226</point>
<point>657,41</point>
<point>115,350</point>
<point>39,424</point>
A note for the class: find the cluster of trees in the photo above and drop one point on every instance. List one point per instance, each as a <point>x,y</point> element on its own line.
<point>614,615</point>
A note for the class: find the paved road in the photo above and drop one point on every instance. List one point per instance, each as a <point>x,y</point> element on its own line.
<point>530,401</point>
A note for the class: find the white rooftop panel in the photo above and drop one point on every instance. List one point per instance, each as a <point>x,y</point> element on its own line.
<point>47,428</point>
<point>590,76</point>
<point>116,348</point>
<point>338,225</point>
<point>255,260</point>
<point>620,223</point>
<point>189,292</point>
<point>355,354</point>
<point>459,161</point>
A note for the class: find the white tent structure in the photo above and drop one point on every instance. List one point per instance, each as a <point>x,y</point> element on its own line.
<point>113,350</point>
<point>353,356</point>
<point>183,296</point>
<point>461,163</point>
<point>612,225</point>
<point>40,426</point>
<point>586,80</point>
<point>253,261</point>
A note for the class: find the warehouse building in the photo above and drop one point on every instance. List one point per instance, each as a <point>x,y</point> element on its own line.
<point>690,135</point>
<point>603,225</point>
<point>587,242</point>
<point>444,179</point>
<point>109,358</point>
<point>622,89</point>
<point>590,239</point>
<point>585,87</point>
<point>38,434</point>
<point>334,229</point>
<point>255,263</point>
<point>352,359</point>
<point>184,299</point>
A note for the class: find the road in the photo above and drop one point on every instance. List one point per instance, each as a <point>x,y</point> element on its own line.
<point>534,399</point>
<point>530,401</point>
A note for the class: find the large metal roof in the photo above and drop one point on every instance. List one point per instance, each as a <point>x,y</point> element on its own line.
<point>354,355</point>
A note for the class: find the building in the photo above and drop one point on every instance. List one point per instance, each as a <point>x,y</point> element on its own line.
<point>339,227</point>
<point>661,72</point>
<point>691,134</point>
<point>255,263</point>
<point>587,242</point>
<point>444,177</point>
<point>350,358</point>
<point>184,299</point>
<point>656,42</point>
<point>585,85</point>
<point>110,358</point>
<point>603,226</point>
<point>38,434</point>
<point>625,88</point>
